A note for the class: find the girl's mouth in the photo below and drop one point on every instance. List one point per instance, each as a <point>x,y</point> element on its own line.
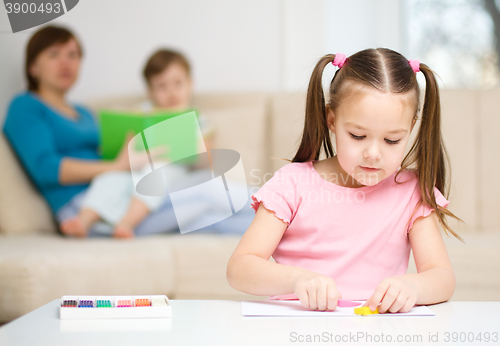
<point>366,169</point>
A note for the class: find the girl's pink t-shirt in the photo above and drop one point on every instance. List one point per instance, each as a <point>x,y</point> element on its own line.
<point>357,236</point>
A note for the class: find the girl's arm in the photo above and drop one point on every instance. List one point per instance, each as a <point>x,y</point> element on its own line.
<point>435,281</point>
<point>249,269</point>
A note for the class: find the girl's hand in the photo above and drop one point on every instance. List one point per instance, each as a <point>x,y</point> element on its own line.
<point>395,294</point>
<point>316,291</point>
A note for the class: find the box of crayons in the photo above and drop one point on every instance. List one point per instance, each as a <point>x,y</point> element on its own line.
<point>93,307</point>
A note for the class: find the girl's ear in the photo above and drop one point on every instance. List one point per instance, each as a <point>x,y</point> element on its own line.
<point>330,118</point>
<point>413,124</point>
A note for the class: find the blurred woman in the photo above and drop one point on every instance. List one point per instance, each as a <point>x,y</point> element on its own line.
<point>57,143</point>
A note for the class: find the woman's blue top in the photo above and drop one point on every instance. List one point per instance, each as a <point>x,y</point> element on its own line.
<point>42,137</point>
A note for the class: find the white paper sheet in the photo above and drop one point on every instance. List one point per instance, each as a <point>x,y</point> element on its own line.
<point>295,308</point>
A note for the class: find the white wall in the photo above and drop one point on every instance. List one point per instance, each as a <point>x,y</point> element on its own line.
<point>316,27</point>
<point>269,45</point>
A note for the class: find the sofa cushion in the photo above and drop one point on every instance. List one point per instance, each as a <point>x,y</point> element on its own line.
<point>244,129</point>
<point>208,101</point>
<point>36,269</point>
<point>22,209</point>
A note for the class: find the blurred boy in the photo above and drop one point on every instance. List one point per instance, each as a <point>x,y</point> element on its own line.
<point>168,77</point>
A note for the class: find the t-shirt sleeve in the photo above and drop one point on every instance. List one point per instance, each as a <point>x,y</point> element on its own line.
<point>425,210</point>
<point>277,195</point>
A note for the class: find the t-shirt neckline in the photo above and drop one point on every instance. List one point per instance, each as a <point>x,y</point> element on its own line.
<point>343,188</point>
<point>56,111</point>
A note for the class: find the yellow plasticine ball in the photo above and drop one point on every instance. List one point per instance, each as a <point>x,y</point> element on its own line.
<point>365,310</point>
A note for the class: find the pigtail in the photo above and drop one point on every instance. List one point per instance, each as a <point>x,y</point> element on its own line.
<point>316,133</point>
<point>429,152</point>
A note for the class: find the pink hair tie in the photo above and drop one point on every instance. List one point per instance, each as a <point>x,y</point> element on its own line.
<point>339,60</point>
<point>415,65</point>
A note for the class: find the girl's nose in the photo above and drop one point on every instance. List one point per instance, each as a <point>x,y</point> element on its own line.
<point>372,152</point>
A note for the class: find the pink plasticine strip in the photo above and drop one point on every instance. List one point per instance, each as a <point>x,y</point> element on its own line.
<point>342,303</point>
<point>347,304</point>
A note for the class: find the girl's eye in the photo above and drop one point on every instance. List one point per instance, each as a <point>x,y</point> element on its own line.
<point>356,137</point>
<point>392,142</point>
<point>361,137</point>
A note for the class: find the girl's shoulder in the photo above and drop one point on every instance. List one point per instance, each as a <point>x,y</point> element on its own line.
<point>404,182</point>
<point>296,166</point>
<point>293,168</point>
<point>406,175</point>
<point>290,174</point>
<point>409,179</point>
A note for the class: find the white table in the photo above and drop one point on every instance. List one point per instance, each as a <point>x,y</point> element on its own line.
<point>219,322</point>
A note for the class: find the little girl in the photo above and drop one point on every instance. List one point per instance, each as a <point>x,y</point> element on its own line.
<point>343,227</point>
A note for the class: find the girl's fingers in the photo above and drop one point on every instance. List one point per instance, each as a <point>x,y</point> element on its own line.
<point>303,298</point>
<point>408,305</point>
<point>389,298</point>
<point>313,296</point>
<point>378,295</point>
<point>322,297</point>
<point>333,297</point>
<point>399,302</point>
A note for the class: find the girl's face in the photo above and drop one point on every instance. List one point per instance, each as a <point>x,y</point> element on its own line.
<point>57,66</point>
<point>372,130</point>
<point>171,89</point>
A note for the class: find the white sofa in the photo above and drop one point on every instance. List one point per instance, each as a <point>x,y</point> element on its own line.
<point>37,265</point>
